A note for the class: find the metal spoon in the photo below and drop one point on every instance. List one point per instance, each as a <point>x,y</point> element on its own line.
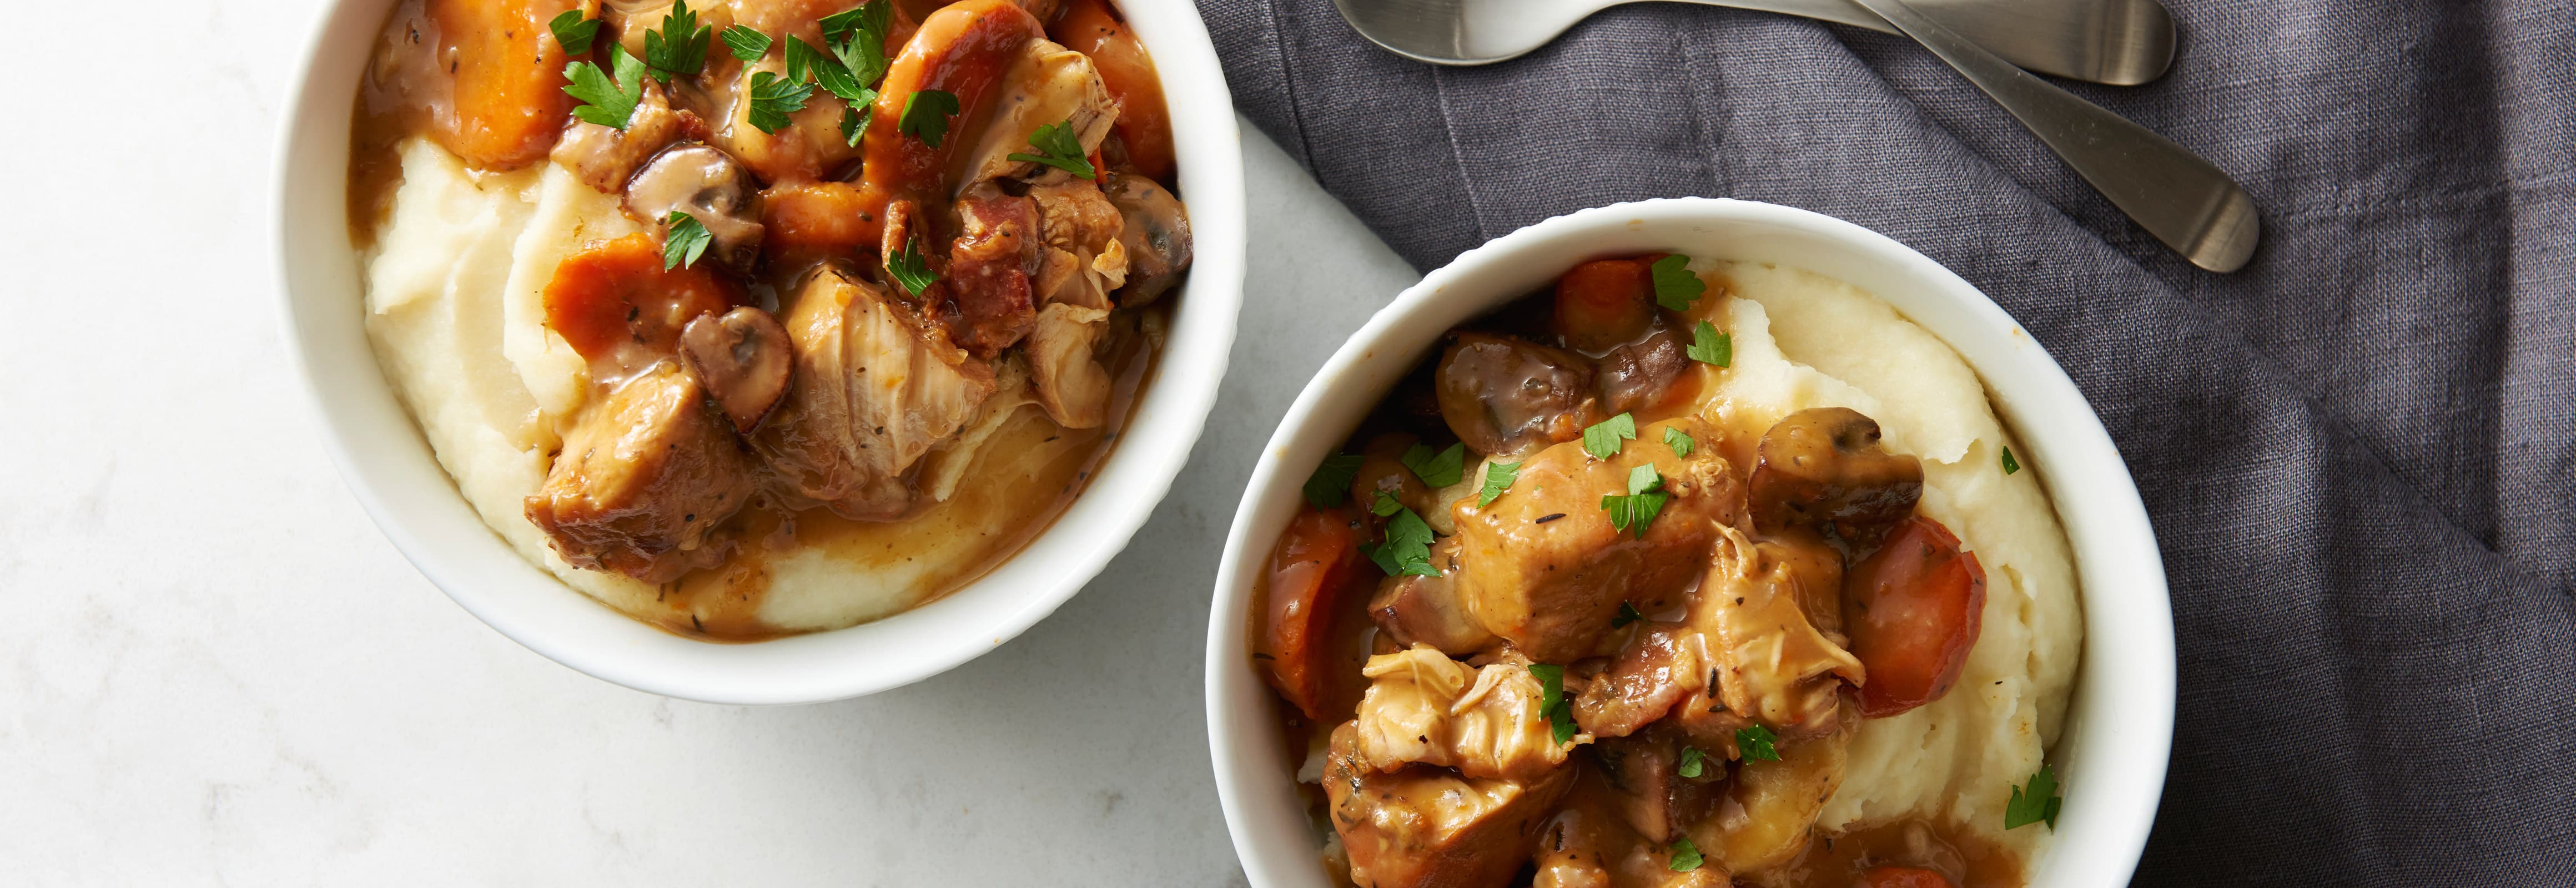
<point>2172,193</point>
<point>2119,42</point>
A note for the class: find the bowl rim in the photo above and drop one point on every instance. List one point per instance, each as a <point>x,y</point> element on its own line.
<point>2111,759</point>
<point>385,476</point>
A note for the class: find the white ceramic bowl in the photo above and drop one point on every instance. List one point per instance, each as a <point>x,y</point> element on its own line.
<point>389,467</point>
<point>2111,758</point>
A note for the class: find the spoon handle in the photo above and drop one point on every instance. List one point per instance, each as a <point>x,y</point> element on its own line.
<point>2172,193</point>
<point>2118,42</point>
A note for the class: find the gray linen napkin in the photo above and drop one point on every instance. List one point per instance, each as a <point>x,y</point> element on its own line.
<point>2359,452</point>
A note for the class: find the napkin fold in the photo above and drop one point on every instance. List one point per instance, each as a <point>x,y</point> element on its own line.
<point>2359,452</point>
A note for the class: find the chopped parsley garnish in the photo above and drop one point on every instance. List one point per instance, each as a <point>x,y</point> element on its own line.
<point>925,115</point>
<point>1686,856</point>
<point>1694,762</point>
<point>1498,478</point>
<point>1437,468</point>
<point>1059,149</point>
<point>1675,286</point>
<point>854,122</point>
<point>2011,465</point>
<point>747,44</point>
<point>910,269</point>
<point>1407,549</point>
<point>1627,614</point>
<point>688,240</point>
<point>804,62</point>
<point>1602,438</point>
<point>2035,803</point>
<point>1680,441</point>
<point>857,36</point>
<point>1385,505</point>
<point>607,102</point>
<point>1711,347</point>
<point>1331,482</point>
<point>572,32</point>
<point>1645,499</point>
<point>679,48</point>
<point>1753,743</point>
<point>1551,700</point>
<point>773,98</point>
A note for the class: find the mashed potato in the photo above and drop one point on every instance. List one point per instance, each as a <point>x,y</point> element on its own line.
<point>454,284</point>
<point>1803,340</point>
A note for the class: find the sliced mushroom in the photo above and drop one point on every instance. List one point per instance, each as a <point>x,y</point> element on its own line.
<point>1822,468</point>
<point>1157,236</point>
<point>743,356</point>
<point>708,185</point>
<point>1508,398</point>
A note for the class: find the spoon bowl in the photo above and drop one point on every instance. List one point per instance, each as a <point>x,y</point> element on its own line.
<point>2116,42</point>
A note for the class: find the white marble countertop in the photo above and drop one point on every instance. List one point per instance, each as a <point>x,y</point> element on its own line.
<point>216,670</point>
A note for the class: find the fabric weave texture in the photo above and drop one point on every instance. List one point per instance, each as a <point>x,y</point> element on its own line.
<point>2359,452</point>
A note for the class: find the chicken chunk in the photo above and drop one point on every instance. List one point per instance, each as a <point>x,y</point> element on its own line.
<point>1772,805</point>
<point>1424,827</point>
<point>1064,365</point>
<point>809,148</point>
<point>874,389</point>
<point>643,480</point>
<point>1547,570</point>
<point>1422,707</point>
<point>1778,655</point>
<point>1047,85</point>
<point>1085,260</point>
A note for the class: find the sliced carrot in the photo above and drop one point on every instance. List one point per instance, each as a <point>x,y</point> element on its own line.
<point>1912,609</point>
<point>1603,303</point>
<point>1316,573</point>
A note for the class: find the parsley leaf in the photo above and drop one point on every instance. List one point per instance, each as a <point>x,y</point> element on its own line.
<point>609,103</point>
<point>1694,762</point>
<point>925,115</point>
<point>2035,803</point>
<point>1686,856</point>
<point>911,270</point>
<point>858,37</point>
<point>1498,478</point>
<point>1675,286</point>
<point>1627,614</point>
<point>804,62</point>
<point>1385,505</point>
<point>1680,441</point>
<point>1602,438</point>
<point>747,44</point>
<point>2011,465</point>
<point>1711,347</point>
<point>1551,700</point>
<point>1753,742</point>
<point>854,122</point>
<point>1062,150</point>
<point>1644,501</point>
<point>680,47</point>
<point>1439,469</point>
<point>687,241</point>
<point>572,32</point>
<point>1407,549</point>
<point>1331,482</point>
<point>772,98</point>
